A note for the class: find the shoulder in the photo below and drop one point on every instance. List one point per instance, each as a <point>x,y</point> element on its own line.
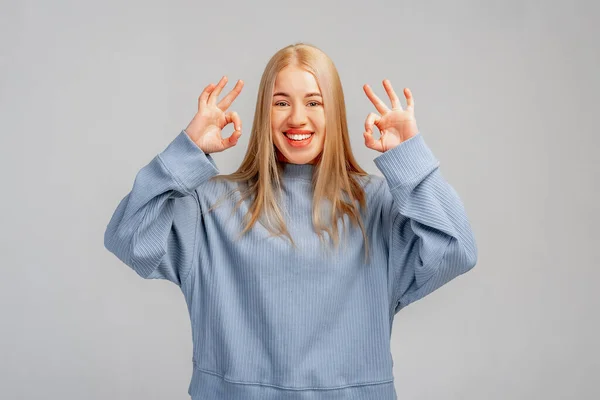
<point>216,189</point>
<point>373,185</point>
<point>377,193</point>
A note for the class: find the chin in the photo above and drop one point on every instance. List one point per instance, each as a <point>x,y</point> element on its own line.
<point>297,159</point>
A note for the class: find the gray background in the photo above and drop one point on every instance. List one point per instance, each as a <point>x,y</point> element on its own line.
<point>506,95</point>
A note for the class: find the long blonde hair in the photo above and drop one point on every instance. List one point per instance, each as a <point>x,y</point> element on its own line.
<point>336,170</point>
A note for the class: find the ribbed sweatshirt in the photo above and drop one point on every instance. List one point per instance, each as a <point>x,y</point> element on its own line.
<point>270,321</point>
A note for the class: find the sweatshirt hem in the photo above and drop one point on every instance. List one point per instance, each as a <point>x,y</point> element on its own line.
<point>209,384</point>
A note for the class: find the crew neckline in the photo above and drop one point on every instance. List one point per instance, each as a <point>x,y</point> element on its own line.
<point>298,171</point>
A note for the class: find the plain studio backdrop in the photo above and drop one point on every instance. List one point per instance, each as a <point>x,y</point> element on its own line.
<point>506,96</point>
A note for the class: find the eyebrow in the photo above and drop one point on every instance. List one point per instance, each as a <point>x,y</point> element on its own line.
<point>287,95</point>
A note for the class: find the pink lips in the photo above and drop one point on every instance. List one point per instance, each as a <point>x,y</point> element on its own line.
<point>299,143</point>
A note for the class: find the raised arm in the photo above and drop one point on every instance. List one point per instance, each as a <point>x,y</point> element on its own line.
<point>429,237</point>
<point>155,227</point>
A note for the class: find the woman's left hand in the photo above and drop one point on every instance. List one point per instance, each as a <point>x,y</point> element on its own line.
<point>395,125</point>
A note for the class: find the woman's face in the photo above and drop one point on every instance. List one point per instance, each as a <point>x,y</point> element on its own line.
<point>297,116</point>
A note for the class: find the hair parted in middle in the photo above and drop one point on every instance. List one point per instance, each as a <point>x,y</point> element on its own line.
<point>337,174</point>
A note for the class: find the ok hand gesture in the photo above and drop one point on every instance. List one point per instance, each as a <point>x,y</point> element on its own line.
<point>211,118</point>
<point>395,125</point>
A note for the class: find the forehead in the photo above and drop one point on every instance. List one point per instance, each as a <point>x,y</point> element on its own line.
<point>294,79</point>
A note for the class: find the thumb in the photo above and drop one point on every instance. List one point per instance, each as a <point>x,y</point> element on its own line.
<point>230,117</point>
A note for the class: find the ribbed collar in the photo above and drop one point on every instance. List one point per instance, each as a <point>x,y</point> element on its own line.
<point>298,171</point>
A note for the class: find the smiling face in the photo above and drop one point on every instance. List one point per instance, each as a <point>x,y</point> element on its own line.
<point>297,116</point>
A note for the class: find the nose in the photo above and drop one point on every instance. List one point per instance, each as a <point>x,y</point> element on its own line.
<point>298,116</point>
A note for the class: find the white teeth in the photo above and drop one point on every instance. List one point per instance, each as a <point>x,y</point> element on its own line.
<point>298,137</point>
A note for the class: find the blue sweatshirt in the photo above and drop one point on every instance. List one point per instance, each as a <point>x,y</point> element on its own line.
<point>271,322</point>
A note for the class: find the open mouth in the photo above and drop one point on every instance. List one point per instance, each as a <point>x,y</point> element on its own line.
<point>299,139</point>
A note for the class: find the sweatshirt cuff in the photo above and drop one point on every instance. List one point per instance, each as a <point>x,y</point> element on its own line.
<point>407,162</point>
<point>187,163</point>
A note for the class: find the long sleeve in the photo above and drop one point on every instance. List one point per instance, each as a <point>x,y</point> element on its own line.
<point>429,237</point>
<point>155,228</point>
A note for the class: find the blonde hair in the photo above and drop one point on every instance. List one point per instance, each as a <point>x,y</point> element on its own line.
<point>336,170</point>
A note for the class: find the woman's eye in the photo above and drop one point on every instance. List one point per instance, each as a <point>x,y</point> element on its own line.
<point>282,103</point>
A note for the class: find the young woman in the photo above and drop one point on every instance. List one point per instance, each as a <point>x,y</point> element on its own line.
<point>294,266</point>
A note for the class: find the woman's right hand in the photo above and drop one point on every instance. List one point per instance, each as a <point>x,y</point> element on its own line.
<point>205,128</point>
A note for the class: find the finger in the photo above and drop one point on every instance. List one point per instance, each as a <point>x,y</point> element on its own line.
<point>202,100</point>
<point>410,101</point>
<point>379,105</point>
<point>233,116</point>
<point>392,95</point>
<point>231,140</point>
<point>230,117</point>
<point>371,120</point>
<point>371,142</point>
<point>231,96</point>
<point>215,94</point>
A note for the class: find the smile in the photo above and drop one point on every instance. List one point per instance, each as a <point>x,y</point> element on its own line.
<point>297,138</point>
